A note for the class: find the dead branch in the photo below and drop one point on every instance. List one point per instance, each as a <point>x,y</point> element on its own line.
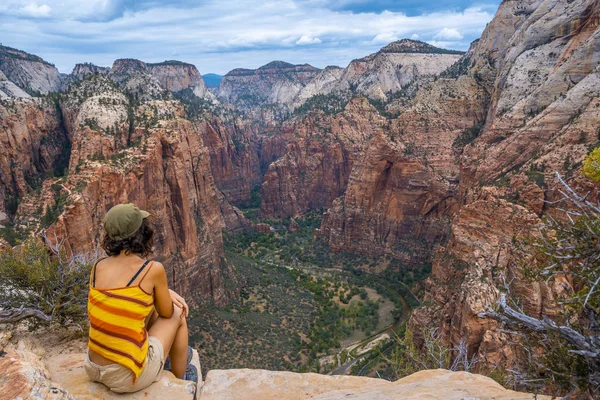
<point>13,315</point>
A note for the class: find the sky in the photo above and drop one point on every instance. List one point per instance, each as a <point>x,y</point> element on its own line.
<point>220,35</point>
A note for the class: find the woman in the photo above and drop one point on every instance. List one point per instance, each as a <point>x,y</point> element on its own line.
<point>136,321</point>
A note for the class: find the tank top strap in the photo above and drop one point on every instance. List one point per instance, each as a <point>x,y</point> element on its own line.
<point>138,272</point>
<point>93,274</point>
<point>146,273</point>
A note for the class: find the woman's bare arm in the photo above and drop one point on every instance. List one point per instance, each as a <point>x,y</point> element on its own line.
<point>162,296</point>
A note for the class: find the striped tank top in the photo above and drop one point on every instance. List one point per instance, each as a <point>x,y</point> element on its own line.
<point>117,322</point>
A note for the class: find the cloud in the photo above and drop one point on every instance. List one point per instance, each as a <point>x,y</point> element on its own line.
<point>248,34</point>
<point>385,38</point>
<point>415,36</point>
<point>308,40</point>
<point>35,11</point>
<point>448,34</point>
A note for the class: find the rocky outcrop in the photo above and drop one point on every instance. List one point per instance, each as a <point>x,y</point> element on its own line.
<point>168,175</point>
<point>24,376</point>
<point>320,151</point>
<point>275,84</point>
<point>246,384</point>
<point>467,272</point>
<point>29,72</point>
<point>535,59</point>
<point>68,372</point>
<point>80,71</point>
<point>395,66</point>
<point>324,82</point>
<point>545,94</point>
<point>33,145</point>
<point>9,90</point>
<point>234,152</point>
<point>393,203</point>
<point>134,78</point>
<point>176,76</point>
<point>28,377</point>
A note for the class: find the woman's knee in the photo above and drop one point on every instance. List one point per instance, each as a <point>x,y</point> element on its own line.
<point>178,315</point>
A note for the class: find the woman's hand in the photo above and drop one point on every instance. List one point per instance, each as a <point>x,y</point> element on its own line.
<point>179,302</point>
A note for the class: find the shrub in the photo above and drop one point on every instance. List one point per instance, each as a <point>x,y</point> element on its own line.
<point>591,165</point>
<point>45,279</point>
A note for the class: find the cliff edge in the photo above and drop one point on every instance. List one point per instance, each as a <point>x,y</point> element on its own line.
<point>60,375</point>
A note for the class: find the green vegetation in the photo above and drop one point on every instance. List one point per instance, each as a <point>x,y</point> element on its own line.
<point>168,62</point>
<point>54,211</point>
<point>469,135</point>
<point>261,327</point>
<point>591,165</point>
<point>197,108</point>
<point>348,303</point>
<point>45,279</point>
<point>328,103</point>
<point>21,55</point>
<point>459,68</point>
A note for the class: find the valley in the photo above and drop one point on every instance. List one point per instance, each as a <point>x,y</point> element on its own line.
<point>323,313</point>
<point>364,219</point>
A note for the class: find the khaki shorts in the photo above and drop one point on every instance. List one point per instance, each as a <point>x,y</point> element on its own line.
<point>119,378</point>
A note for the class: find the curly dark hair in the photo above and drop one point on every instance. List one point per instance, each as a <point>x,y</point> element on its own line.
<point>140,242</point>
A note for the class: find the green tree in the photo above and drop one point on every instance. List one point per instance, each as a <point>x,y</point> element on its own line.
<point>44,281</point>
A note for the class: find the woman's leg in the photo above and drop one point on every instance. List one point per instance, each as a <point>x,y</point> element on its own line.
<point>173,334</point>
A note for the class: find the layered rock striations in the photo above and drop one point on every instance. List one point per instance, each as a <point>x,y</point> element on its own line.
<point>117,150</point>
<point>176,76</point>
<point>395,66</point>
<point>273,86</point>
<point>33,145</point>
<point>536,60</point>
<point>393,204</point>
<point>321,149</point>
<point>29,72</point>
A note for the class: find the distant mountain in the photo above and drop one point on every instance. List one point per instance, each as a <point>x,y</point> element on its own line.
<point>212,80</point>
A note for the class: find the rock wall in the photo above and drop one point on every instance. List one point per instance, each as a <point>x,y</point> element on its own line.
<point>320,151</point>
<point>32,145</point>
<point>393,204</point>
<point>175,76</point>
<point>275,83</point>
<point>29,72</point>
<point>537,59</point>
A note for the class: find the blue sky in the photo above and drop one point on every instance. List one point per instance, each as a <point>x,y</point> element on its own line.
<point>218,36</point>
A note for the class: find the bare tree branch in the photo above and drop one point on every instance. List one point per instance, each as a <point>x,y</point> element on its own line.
<point>13,315</point>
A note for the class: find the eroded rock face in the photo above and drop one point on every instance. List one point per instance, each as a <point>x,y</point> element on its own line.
<point>234,152</point>
<point>468,271</point>
<point>394,66</point>
<point>176,76</point>
<point>170,177</point>
<point>29,72</point>
<point>543,112</point>
<point>32,145</point>
<point>276,84</point>
<point>392,202</point>
<point>67,370</point>
<point>319,157</point>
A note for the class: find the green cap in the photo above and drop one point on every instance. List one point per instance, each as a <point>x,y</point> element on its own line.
<point>123,220</point>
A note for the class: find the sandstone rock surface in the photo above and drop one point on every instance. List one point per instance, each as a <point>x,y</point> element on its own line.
<point>246,384</point>
<point>29,72</point>
<point>24,376</point>
<point>67,370</point>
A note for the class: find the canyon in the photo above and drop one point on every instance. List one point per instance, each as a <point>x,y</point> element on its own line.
<point>418,154</point>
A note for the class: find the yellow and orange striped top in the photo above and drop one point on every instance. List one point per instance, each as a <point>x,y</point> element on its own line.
<point>117,322</point>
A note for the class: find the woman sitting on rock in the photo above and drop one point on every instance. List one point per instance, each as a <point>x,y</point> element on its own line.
<point>136,321</point>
